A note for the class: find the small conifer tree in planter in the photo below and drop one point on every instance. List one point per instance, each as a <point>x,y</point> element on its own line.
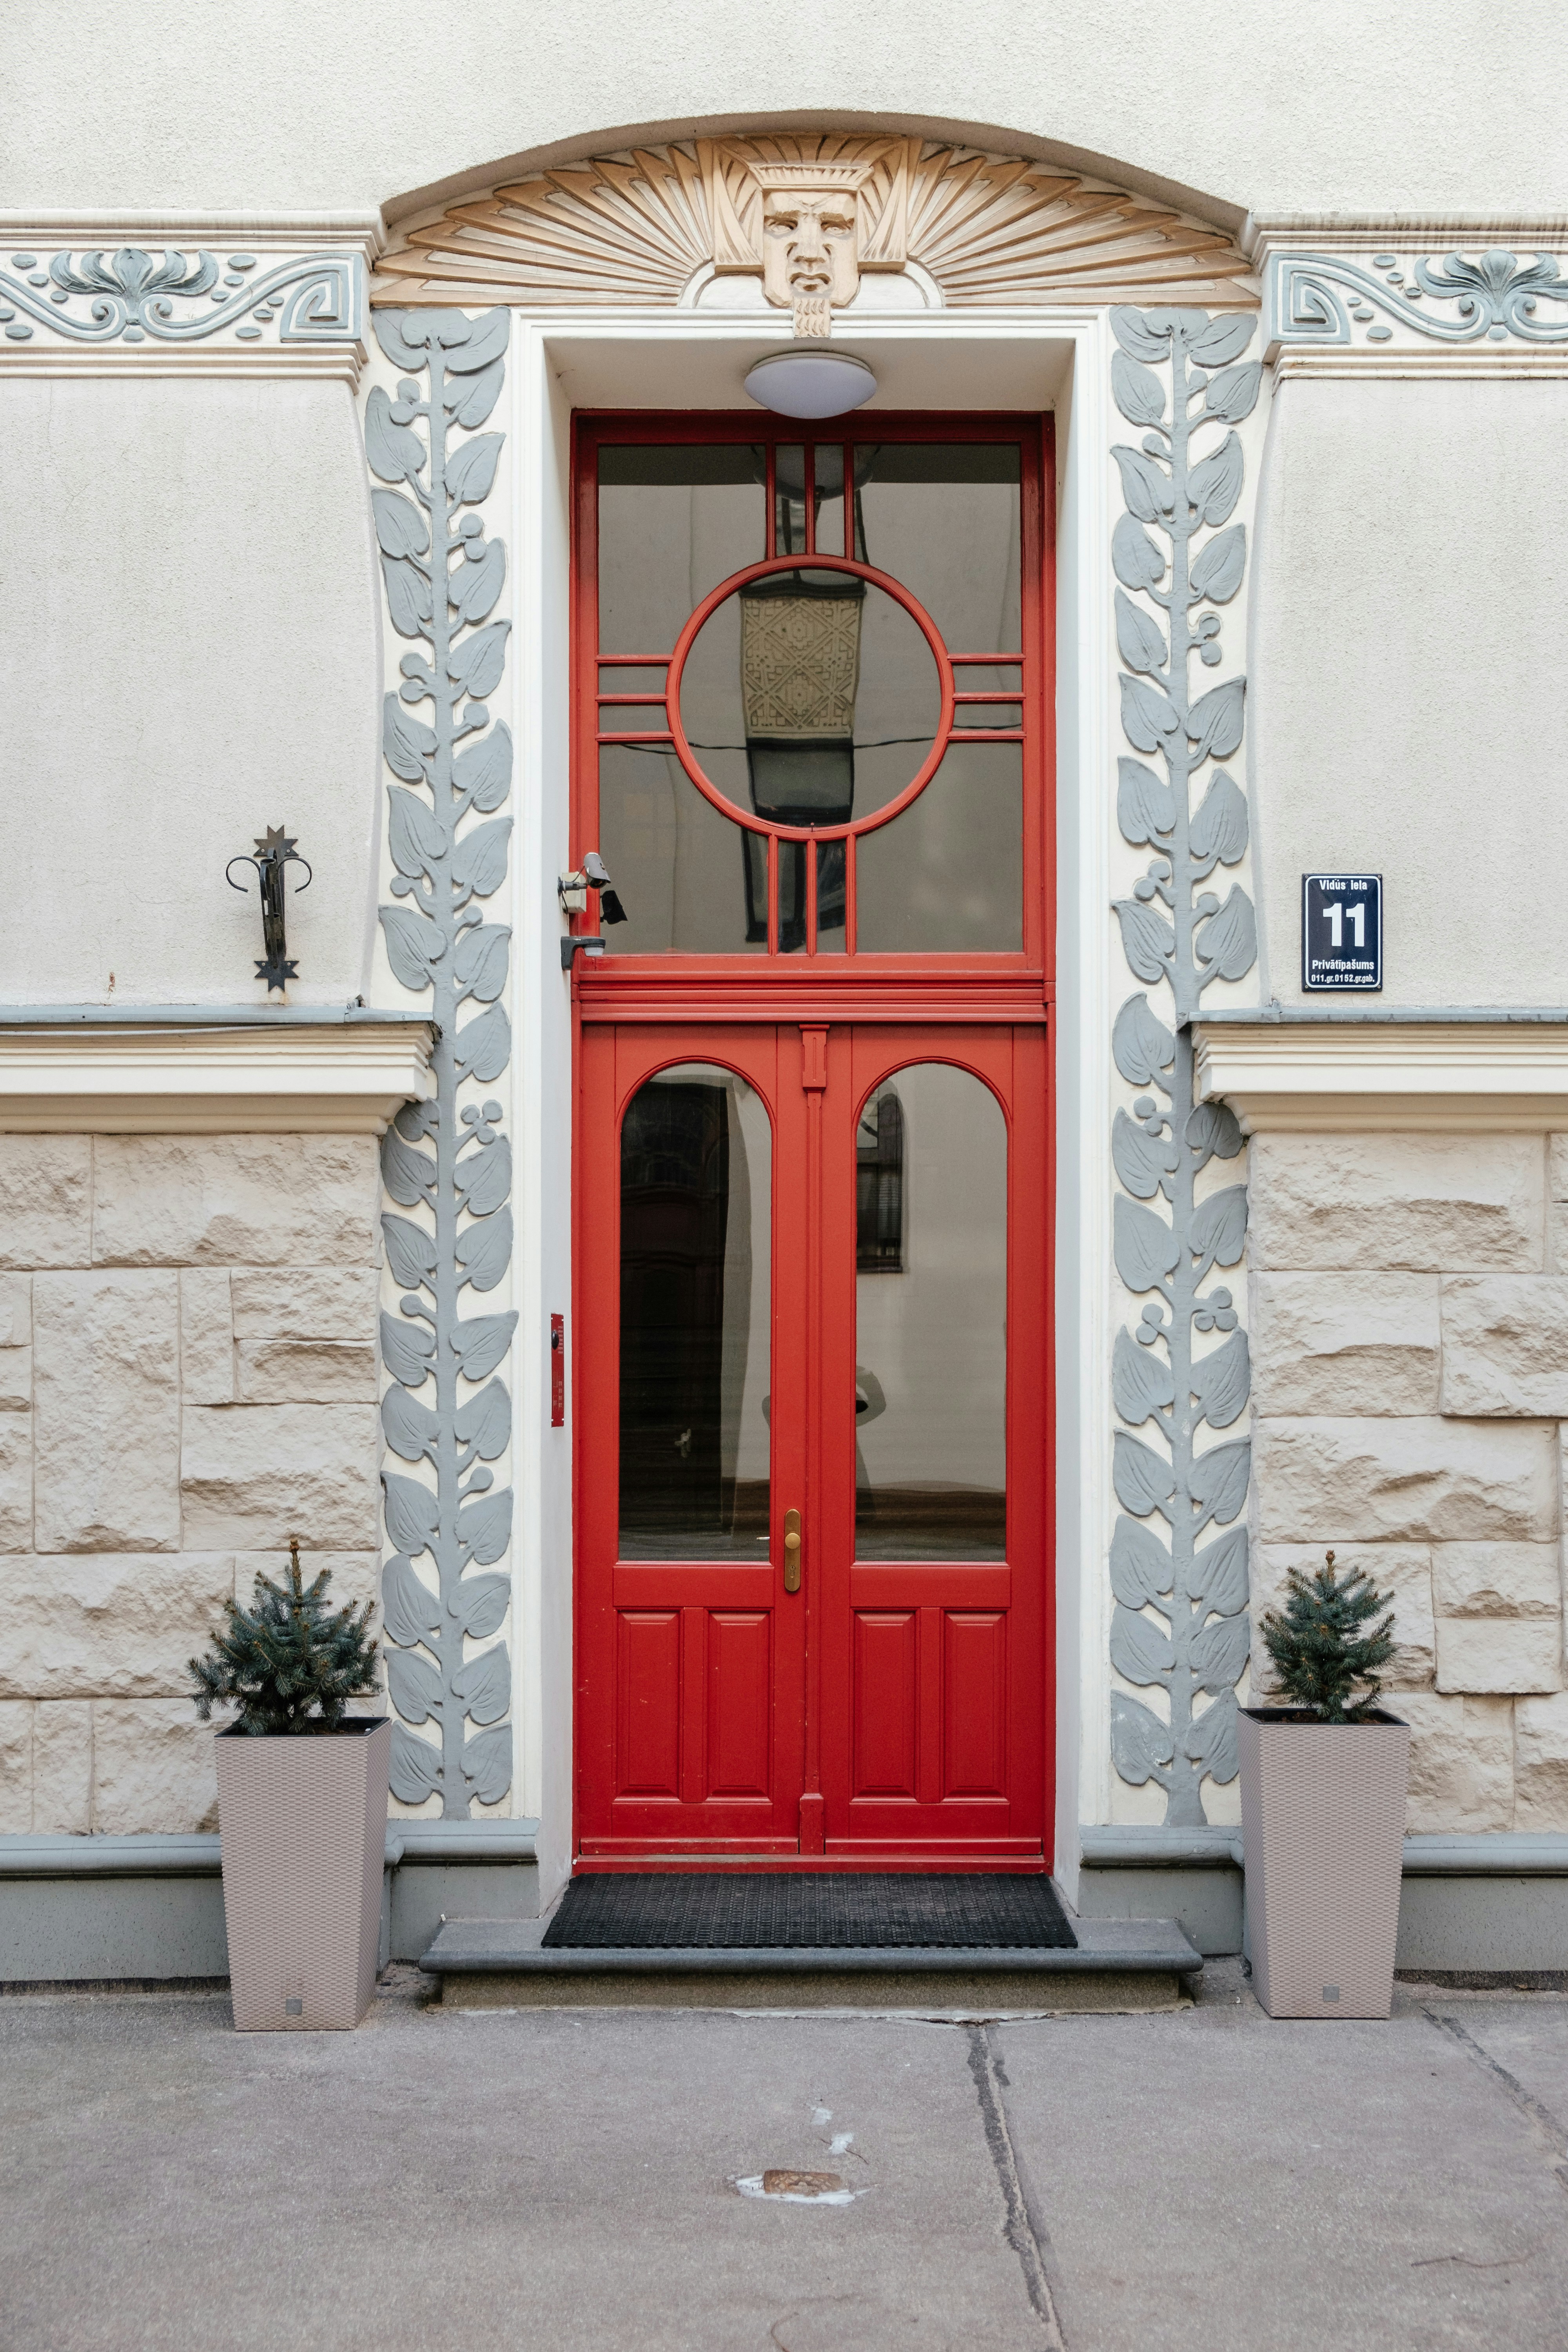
<point>1323,1778</point>
<point>302,1788</point>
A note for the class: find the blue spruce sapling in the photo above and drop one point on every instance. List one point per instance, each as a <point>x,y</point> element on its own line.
<point>1323,1647</point>
<point>289,1663</point>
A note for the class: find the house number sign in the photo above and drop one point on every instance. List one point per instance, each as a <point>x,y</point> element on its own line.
<point>1341,931</point>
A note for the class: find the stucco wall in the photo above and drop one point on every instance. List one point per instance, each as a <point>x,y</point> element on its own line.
<point>1405,678</point>
<point>1275,107</point>
<point>189,603</point>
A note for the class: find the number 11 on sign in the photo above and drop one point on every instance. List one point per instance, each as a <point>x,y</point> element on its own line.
<point>1342,931</point>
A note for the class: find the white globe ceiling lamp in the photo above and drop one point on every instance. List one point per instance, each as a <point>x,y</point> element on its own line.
<point>810,383</point>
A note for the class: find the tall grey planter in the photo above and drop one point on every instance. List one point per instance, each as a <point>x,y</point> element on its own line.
<point>303,1818</point>
<point>1322,1822</point>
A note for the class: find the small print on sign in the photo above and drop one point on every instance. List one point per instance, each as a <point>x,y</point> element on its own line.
<point>1341,931</point>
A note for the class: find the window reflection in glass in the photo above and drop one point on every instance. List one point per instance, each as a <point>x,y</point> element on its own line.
<point>677,861</point>
<point>931,1403</point>
<point>810,696</point>
<point>943,518</point>
<point>674,520</point>
<point>947,875</point>
<point>879,1184</point>
<point>695,1317</point>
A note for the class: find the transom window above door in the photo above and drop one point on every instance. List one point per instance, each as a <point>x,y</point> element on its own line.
<point>811,686</point>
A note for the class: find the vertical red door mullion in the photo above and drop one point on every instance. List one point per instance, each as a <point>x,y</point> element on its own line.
<point>582,815</point>
<point>835,1445</point>
<point>1038,665</point>
<point>595,1374</point>
<point>816,1067</point>
<point>789,1409</point>
<point>1029,1389</point>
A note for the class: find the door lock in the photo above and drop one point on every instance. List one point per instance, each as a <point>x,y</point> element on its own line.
<point>792,1552</point>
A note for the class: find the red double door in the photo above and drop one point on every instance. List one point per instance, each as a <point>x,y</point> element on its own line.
<point>812,1418</point>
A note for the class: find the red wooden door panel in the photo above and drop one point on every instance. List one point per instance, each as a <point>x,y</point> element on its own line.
<point>934,1685</point>
<point>896,1706</point>
<point>702,1747</point>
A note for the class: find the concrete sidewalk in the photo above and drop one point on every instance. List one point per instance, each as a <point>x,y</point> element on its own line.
<point>1200,2180</point>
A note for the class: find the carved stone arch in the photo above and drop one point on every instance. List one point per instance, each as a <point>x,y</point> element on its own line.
<point>800,218</point>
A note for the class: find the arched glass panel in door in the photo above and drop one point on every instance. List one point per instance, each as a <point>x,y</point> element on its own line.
<point>696,1282</point>
<point>931,1308</point>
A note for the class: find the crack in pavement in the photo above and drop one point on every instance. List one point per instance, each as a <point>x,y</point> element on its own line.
<point>1540,2115</point>
<point>1025,2226</point>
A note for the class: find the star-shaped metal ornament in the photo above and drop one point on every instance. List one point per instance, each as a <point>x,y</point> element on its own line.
<point>275,849</point>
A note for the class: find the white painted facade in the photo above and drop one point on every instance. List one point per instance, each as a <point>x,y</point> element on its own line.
<point>199,649</point>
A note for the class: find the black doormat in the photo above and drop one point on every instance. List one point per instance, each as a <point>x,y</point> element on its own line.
<point>644,1910</point>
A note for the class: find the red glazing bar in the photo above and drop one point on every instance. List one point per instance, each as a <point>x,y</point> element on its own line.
<point>643,735</point>
<point>640,661</point>
<point>651,697</point>
<point>773,867</point>
<point>810,461</point>
<point>851,919</point>
<point>986,735</point>
<point>995,661</point>
<point>809,862</point>
<point>772,476</point>
<point>1017,696</point>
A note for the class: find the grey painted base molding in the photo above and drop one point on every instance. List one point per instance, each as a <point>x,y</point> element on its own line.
<point>489,1963</point>
<point>81,1909</point>
<point>144,1909</point>
<point>1492,1904</point>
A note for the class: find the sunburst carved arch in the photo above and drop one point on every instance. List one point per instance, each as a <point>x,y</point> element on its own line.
<point>650,225</point>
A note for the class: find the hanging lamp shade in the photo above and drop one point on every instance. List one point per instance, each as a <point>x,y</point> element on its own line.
<point>810,383</point>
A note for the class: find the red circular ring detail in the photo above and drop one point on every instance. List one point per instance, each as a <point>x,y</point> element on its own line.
<point>688,638</point>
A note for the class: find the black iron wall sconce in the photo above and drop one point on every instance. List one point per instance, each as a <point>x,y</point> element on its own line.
<point>274,850</point>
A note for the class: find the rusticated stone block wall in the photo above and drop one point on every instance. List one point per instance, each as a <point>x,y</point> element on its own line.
<point>187,1378</point>
<point>1409,1327</point>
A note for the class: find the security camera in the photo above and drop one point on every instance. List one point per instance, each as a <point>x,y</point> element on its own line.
<point>610,908</point>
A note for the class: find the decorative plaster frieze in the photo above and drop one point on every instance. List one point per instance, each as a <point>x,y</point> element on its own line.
<point>334,1078</point>
<point>1448,296</point>
<point>216,294</point>
<point>446,1162</point>
<point>797,221</point>
<point>1349,1078</point>
<point>1179,1626</point>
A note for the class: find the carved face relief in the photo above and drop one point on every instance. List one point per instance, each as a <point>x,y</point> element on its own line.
<point>809,247</point>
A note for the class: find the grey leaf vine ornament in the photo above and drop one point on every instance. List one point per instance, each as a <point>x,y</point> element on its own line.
<point>1168,1554</point>
<point>450,1163</point>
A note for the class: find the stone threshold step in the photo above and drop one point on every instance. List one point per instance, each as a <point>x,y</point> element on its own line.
<point>1117,1964</point>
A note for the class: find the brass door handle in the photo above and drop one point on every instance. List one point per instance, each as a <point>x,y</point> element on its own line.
<point>792,1552</point>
